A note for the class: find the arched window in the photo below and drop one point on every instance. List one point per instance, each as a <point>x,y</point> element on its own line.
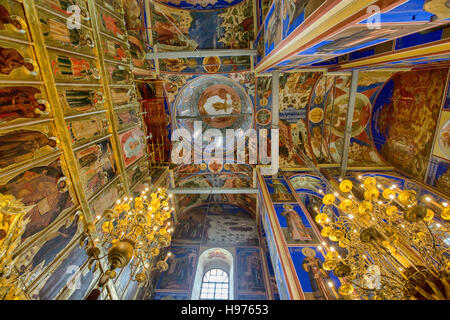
<point>215,285</point>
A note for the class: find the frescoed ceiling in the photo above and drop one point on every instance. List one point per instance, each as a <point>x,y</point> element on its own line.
<point>200,4</point>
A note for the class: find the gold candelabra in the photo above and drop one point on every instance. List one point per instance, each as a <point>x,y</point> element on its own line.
<point>134,232</point>
<point>384,244</point>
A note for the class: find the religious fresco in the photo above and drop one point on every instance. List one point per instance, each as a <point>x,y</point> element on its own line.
<point>105,199</point>
<point>68,272</point>
<point>111,25</point>
<point>295,12</point>
<point>35,259</point>
<point>200,4</point>
<point>279,190</point>
<point>190,226</point>
<point>88,128</point>
<point>184,30</point>
<point>22,145</point>
<point>80,100</point>
<point>295,91</point>
<point>17,61</point>
<point>305,183</point>
<point>137,172</point>
<point>273,27</point>
<point>313,279</point>
<point>263,102</point>
<point>296,227</point>
<point>61,8</point>
<point>115,50</point>
<point>227,224</point>
<point>209,65</point>
<point>249,271</point>
<point>97,166</point>
<point>133,145</point>
<point>44,189</point>
<point>181,269</point>
<point>127,117</point>
<point>327,118</point>
<point>73,69</point>
<point>205,98</point>
<point>119,74</point>
<point>22,103</point>
<point>405,116</point>
<point>56,34</point>
<point>123,96</point>
<point>12,20</point>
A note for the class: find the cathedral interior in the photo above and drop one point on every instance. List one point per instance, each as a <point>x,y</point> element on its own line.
<point>190,149</point>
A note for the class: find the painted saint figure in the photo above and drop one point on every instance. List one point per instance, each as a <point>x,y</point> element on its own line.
<point>11,59</point>
<point>296,229</point>
<point>280,191</point>
<point>318,277</point>
<point>6,18</point>
<point>19,102</point>
<point>21,145</point>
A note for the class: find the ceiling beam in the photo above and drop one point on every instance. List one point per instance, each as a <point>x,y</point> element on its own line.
<point>200,54</point>
<point>212,190</point>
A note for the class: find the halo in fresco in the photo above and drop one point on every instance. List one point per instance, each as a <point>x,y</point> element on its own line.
<point>338,114</point>
<point>444,138</point>
<point>215,100</point>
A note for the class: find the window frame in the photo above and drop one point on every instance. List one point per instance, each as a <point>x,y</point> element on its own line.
<point>215,284</point>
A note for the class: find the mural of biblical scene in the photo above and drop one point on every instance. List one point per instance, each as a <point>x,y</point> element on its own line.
<point>114,6</point>
<point>264,102</point>
<point>85,129</point>
<point>32,262</point>
<point>127,118</point>
<point>118,73</point>
<point>56,34</point>
<point>279,190</point>
<point>73,69</point>
<point>442,144</point>
<point>215,101</point>
<point>97,166</point>
<point>295,225</point>
<point>295,12</point>
<point>186,30</point>
<point>137,172</point>
<point>295,93</point>
<point>105,199</point>
<point>439,174</point>
<point>331,96</point>
<point>111,25</point>
<point>170,296</point>
<point>123,96</point>
<point>189,228</point>
<point>44,189</point>
<point>80,100</point>
<point>18,146</point>
<point>17,62</point>
<point>115,50</point>
<point>227,224</point>
<point>250,277</point>
<point>305,183</point>
<point>21,104</point>
<point>200,4</point>
<point>260,48</point>
<point>262,8</point>
<point>133,145</point>
<point>313,279</point>
<point>86,282</point>
<point>180,274</point>
<point>405,116</point>
<point>205,65</point>
<point>61,7</point>
<point>65,274</point>
<point>273,27</point>
<point>12,20</point>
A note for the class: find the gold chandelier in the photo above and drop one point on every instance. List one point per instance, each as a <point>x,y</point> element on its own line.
<point>387,245</point>
<point>135,231</point>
